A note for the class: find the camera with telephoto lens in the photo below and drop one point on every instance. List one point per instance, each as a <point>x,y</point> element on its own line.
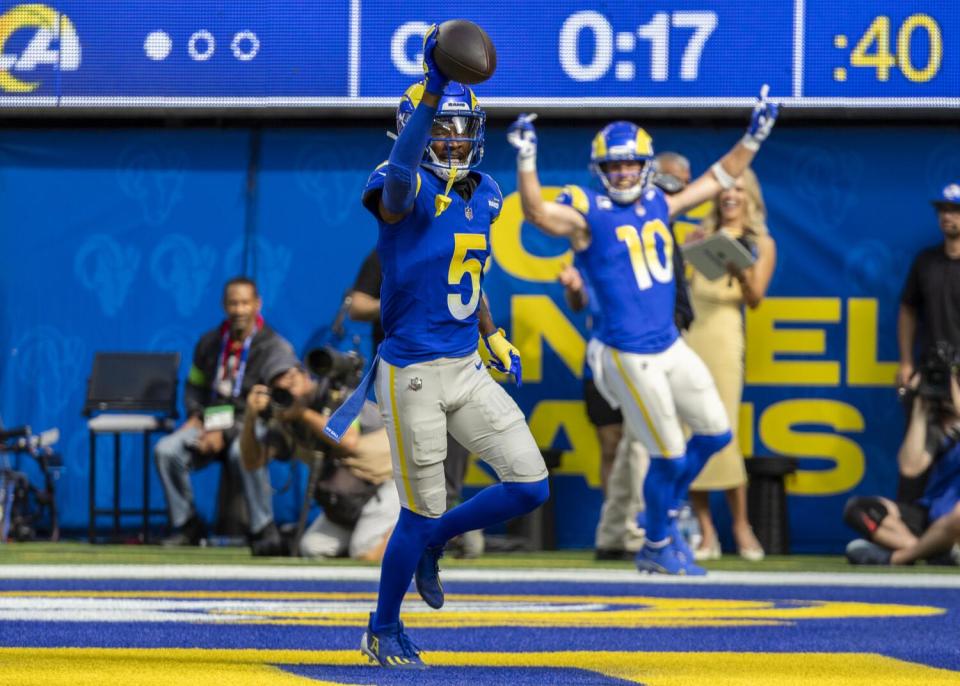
<point>939,366</point>
<point>340,369</point>
<point>280,400</point>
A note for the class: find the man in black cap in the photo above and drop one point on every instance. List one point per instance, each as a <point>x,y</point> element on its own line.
<point>930,303</point>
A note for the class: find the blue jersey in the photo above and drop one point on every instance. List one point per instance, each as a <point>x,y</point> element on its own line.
<point>433,269</point>
<point>942,491</point>
<point>629,265</point>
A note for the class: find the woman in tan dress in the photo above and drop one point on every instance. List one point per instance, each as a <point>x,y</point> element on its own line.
<point>717,336</point>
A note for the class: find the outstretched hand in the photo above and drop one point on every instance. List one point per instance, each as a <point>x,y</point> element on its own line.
<point>523,136</point>
<point>762,119</point>
<point>436,81</point>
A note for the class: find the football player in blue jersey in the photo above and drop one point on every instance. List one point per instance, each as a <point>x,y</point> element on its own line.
<point>434,212</point>
<point>620,233</point>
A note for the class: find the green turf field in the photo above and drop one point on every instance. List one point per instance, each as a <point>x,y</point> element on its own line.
<point>85,553</point>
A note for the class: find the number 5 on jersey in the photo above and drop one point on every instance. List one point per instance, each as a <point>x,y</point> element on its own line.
<point>644,256</point>
<point>460,265</point>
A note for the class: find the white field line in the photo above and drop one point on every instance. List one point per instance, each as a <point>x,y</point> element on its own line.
<point>583,576</point>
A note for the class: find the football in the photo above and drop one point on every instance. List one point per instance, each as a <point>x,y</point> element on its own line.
<point>464,52</point>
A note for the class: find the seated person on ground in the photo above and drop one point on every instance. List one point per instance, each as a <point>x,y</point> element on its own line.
<point>925,527</point>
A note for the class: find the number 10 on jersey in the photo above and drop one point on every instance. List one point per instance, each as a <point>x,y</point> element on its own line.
<point>644,256</point>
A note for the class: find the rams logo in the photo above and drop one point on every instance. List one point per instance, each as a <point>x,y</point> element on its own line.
<point>48,25</point>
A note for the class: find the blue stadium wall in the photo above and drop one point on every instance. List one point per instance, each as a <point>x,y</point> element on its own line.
<point>121,240</point>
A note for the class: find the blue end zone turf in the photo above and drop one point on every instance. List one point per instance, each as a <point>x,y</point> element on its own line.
<point>458,676</point>
<point>914,625</point>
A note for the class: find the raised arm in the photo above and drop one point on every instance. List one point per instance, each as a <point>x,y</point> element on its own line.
<point>723,174</point>
<point>550,217</point>
<point>400,184</point>
<point>914,456</point>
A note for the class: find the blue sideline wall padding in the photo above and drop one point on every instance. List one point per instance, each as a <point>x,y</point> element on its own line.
<point>122,239</point>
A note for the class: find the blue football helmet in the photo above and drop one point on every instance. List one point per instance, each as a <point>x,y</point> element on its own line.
<point>622,141</point>
<point>458,118</point>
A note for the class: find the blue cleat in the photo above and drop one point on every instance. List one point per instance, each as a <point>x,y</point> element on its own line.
<point>679,544</point>
<point>390,647</point>
<point>427,577</point>
<point>690,567</point>
<point>663,560</point>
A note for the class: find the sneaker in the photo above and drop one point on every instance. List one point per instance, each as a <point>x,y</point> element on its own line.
<point>663,560</point>
<point>191,533</point>
<point>390,647</point>
<point>268,542</point>
<point>863,552</point>
<point>427,577</point>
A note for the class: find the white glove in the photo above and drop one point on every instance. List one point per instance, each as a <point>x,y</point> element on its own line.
<point>523,137</point>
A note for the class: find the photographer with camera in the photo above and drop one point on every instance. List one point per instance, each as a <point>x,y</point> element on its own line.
<point>929,310</point>
<point>925,527</point>
<point>228,361</point>
<point>355,484</point>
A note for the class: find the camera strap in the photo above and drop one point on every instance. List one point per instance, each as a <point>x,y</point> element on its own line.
<point>344,416</point>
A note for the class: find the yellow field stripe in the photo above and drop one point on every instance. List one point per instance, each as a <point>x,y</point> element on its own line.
<point>199,667</point>
<point>643,408</point>
<point>398,432</point>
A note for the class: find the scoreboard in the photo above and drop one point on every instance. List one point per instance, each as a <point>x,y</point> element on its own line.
<point>559,54</point>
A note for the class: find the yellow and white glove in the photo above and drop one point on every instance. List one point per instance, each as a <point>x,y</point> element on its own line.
<point>499,354</point>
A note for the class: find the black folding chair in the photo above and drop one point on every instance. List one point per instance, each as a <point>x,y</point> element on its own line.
<point>129,393</point>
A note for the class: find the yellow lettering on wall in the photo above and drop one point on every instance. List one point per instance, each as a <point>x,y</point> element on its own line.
<point>745,429</point>
<point>689,221</point>
<point>863,369</point>
<point>765,341</point>
<point>535,319</point>
<point>777,432</point>
<point>507,244</point>
<point>549,417</point>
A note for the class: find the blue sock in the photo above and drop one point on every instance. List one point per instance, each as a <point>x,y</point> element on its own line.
<point>659,489</point>
<point>700,448</point>
<point>492,505</point>
<point>406,545</point>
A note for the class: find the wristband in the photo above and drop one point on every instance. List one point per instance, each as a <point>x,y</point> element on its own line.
<point>723,176</point>
<point>750,142</point>
<point>527,163</point>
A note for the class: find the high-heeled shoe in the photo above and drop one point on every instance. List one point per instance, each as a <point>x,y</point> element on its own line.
<point>753,551</point>
<point>752,554</point>
<point>707,552</point>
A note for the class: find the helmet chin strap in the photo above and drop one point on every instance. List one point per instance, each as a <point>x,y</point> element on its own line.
<point>442,202</point>
<point>451,174</point>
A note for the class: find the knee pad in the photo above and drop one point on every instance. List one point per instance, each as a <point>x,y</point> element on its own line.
<point>864,515</point>
<point>530,494</point>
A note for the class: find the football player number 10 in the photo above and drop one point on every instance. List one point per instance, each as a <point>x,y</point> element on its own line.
<point>460,265</point>
<point>644,256</point>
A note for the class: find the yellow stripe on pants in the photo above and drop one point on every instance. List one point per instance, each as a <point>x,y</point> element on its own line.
<point>407,489</point>
<point>636,398</point>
